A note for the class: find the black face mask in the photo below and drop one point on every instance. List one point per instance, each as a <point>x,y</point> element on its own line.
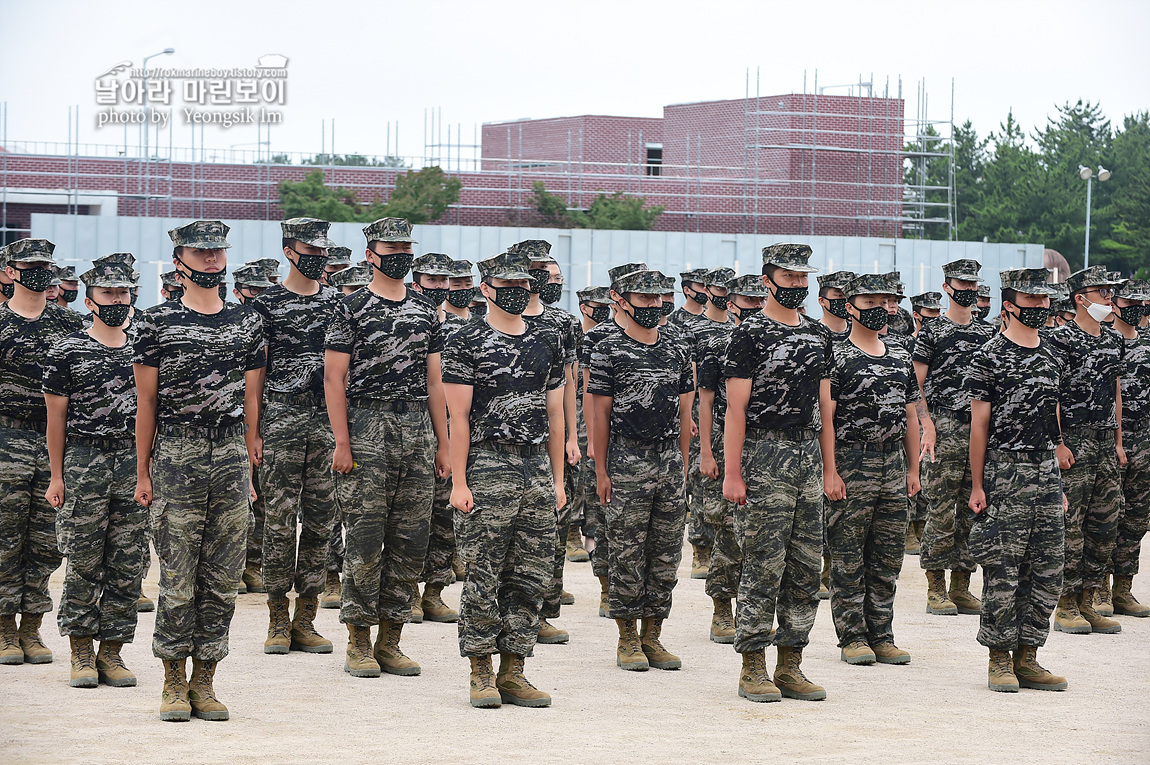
<point>175,293</point>
<point>394,266</point>
<point>37,279</point>
<point>203,279</point>
<point>539,277</point>
<point>550,293</point>
<point>135,293</point>
<point>513,300</point>
<point>113,315</point>
<point>311,266</point>
<point>719,301</point>
<point>223,291</point>
<point>698,297</point>
<point>1132,314</point>
<point>479,309</point>
<point>1032,317</point>
<point>436,295</point>
<point>600,314</point>
<point>873,318</point>
<point>461,298</point>
<point>982,312</point>
<point>837,307</point>
<point>965,298</point>
<point>928,319</point>
<point>668,309</point>
<point>69,295</point>
<point>8,289</point>
<point>789,297</point>
<point>648,317</point>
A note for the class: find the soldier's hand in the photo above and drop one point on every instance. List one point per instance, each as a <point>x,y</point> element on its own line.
<point>708,466</point>
<point>735,489</point>
<point>590,450</point>
<point>603,489</point>
<point>694,429</point>
<point>341,460</point>
<point>255,449</point>
<point>461,498</point>
<point>442,463</point>
<point>1065,504</point>
<point>252,496</point>
<point>560,496</point>
<point>1065,457</point>
<point>834,487</point>
<point>573,453</point>
<point>913,484</point>
<point>143,493</point>
<point>1121,457</point>
<point>55,493</point>
<point>926,445</point>
<point>977,501</point>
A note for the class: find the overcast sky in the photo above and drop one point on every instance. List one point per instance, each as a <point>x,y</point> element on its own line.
<point>369,63</point>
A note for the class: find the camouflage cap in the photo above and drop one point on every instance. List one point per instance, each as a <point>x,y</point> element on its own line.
<point>28,251</point>
<point>594,295</point>
<point>870,284</point>
<point>965,269</point>
<point>792,257</point>
<point>747,285</point>
<point>339,256</point>
<point>718,277</point>
<point>505,265</point>
<point>251,275</point>
<point>984,290</point>
<point>461,269</point>
<point>1062,290</point>
<point>836,280</point>
<point>269,266</point>
<point>170,279</point>
<point>643,282</point>
<point>894,278</point>
<point>389,230</point>
<point>697,275</point>
<point>1030,281</point>
<point>67,274</point>
<point>433,264</point>
<point>1095,276</point>
<point>358,275</point>
<point>311,231</point>
<point>1135,289</point>
<point>123,258</point>
<point>927,300</point>
<point>626,268</point>
<point>115,275</point>
<point>536,250</point>
<point>56,280</point>
<point>201,235</point>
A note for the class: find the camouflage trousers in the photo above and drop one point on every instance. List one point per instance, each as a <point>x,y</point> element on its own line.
<point>574,480</point>
<point>1018,541</point>
<point>506,543</point>
<point>100,528</point>
<point>385,503</point>
<point>866,533</point>
<point>726,557</point>
<point>257,517</point>
<point>335,547</point>
<point>28,551</point>
<point>441,537</point>
<point>199,520</point>
<point>780,532</point>
<point>298,488</point>
<point>570,515</point>
<point>598,524</point>
<point>1093,487</point>
<point>699,531</point>
<point>946,483</point>
<point>1136,504</point>
<point>645,520</point>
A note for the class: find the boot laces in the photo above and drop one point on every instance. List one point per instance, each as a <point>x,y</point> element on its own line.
<point>114,659</point>
<point>305,619</point>
<point>757,668</point>
<point>362,638</point>
<point>175,680</point>
<point>203,682</point>
<point>794,666</point>
<point>85,659</point>
<point>281,625</point>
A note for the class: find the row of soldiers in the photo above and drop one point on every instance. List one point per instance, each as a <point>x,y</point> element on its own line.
<point>386,413</point>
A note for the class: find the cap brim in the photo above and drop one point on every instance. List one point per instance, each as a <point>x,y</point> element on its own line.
<point>113,284</point>
<point>321,241</point>
<point>207,244</point>
<point>509,275</point>
<point>432,272</point>
<point>394,240</point>
<point>967,277</point>
<point>792,267</point>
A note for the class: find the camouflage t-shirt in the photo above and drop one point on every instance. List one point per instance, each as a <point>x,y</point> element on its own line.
<point>294,328</point>
<point>564,324</point>
<point>712,352</point>
<point>902,322</point>
<point>450,323</point>
<point>389,342</point>
<point>202,359</point>
<point>690,324</point>
<point>644,382</point>
<point>1093,366</point>
<point>24,345</point>
<point>510,376</point>
<point>99,385</point>
<point>1022,387</point>
<point>592,337</point>
<point>785,365</point>
<point>947,348</point>
<point>1136,384</point>
<point>871,393</point>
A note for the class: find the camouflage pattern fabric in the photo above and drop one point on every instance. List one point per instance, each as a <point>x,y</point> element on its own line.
<point>336,548</point>
<point>946,348</point>
<point>566,325</point>
<point>1136,383</point>
<point>506,543</point>
<point>297,482</point>
<point>700,335</point>
<point>257,519</point>
<point>201,235</point>
<point>946,483</point>
<point>389,230</point>
<point>780,532</point>
<point>726,556</point>
<point>24,345</point>
<point>441,537</point>
<point>871,394</point>
<point>601,555</point>
<point>866,534</point>
<point>644,382</point>
<point>294,327</point>
<point>1136,504</point>
<point>1022,387</point>
<point>98,383</point>
<point>1018,541</point>
<point>100,528</point>
<point>28,551</point>
<point>1093,366</point>
<point>1093,487</point>
<point>645,520</point>
<point>901,323</point>
<point>388,342</point>
<point>199,522</point>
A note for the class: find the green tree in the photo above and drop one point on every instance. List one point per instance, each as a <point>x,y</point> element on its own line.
<point>422,196</point>
<point>312,198</point>
<point>1127,248</point>
<point>617,211</point>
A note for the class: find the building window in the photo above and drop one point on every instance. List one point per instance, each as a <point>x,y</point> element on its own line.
<point>654,161</point>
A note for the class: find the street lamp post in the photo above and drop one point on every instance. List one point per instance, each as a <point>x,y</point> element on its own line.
<point>1086,174</point>
<point>148,121</point>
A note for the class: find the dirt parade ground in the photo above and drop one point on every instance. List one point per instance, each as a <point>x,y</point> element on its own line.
<point>303,708</point>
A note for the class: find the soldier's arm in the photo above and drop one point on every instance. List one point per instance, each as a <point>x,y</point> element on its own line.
<point>923,411</point>
<point>437,404</point>
<point>253,396</point>
<point>147,399</point>
<point>335,366</point>
<point>458,397</point>
<point>833,485</point>
<point>734,431</point>
<point>706,422</point>
<point>571,442</point>
<point>910,447</point>
<point>1118,431</point>
<point>556,404</point>
<point>588,414</point>
<point>685,400</point>
<point>979,434</point>
<point>57,419</point>
<point>602,433</point>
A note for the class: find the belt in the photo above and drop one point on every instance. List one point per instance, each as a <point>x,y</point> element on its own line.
<point>785,434</point>
<point>399,407</point>
<point>951,414</point>
<point>1082,430</point>
<point>661,445</point>
<point>523,450</point>
<point>40,426</point>
<point>104,444</point>
<point>1029,455</point>
<point>304,400</point>
<point>193,431</point>
<point>885,447</point>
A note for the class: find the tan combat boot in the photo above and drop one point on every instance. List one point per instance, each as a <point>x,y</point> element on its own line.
<point>484,694</point>
<point>1000,673</point>
<point>10,651</point>
<point>755,682</point>
<point>35,652</point>
<point>936,600</point>
<point>303,633</point>
<point>434,609</point>
<point>629,654</point>
<point>1124,601</point>
<point>279,627</point>
<point>331,591</point>
<point>145,604</point>
<point>657,656</point>
<point>457,567</point>
<point>576,553</point>
<point>604,603</point>
<point>514,687</point>
<point>1068,619</point>
<point>722,622</point>
<point>391,659</point>
<point>700,562</point>
<point>550,634</point>
<point>790,679</point>
<point>913,540</point>
<point>174,706</point>
<point>887,652</point>
<point>110,666</point>
<point>857,652</point>
<point>566,598</point>
<point>1103,602</point>
<point>960,594</point>
<point>1098,622</point>
<point>202,695</point>
<point>1031,674</point>
<point>254,583</point>
<point>359,661</point>
<point>825,579</point>
<point>417,609</point>
<point>83,673</point>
